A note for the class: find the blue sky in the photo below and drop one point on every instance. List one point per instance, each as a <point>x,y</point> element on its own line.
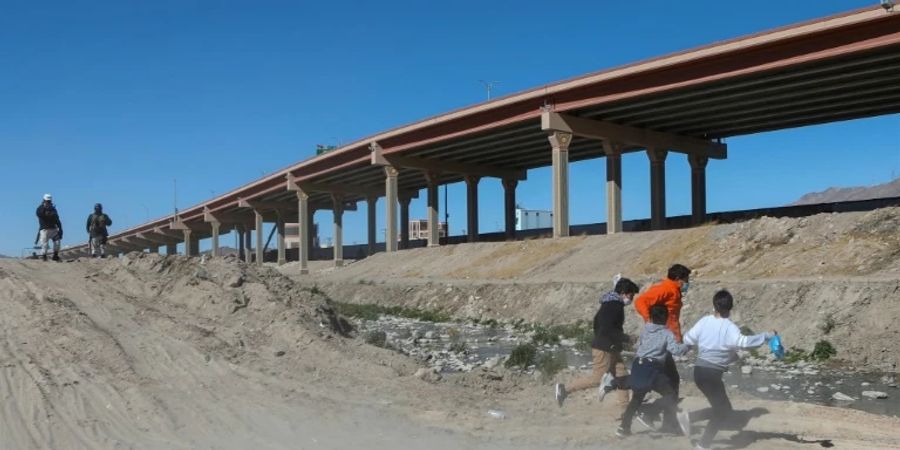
<point>110,101</point>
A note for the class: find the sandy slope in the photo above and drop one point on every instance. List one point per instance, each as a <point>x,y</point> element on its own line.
<point>162,353</point>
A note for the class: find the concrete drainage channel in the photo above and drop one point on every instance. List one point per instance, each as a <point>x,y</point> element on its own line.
<point>461,347</point>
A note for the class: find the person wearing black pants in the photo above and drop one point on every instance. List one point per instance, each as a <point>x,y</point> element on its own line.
<point>717,340</point>
<point>710,383</point>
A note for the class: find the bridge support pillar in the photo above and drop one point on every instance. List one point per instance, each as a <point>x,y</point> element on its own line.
<point>698,188</point>
<point>216,227</point>
<point>434,225</point>
<point>509,207</point>
<point>370,223</point>
<point>279,229</point>
<point>248,243</point>
<point>338,208</point>
<point>303,221</point>
<point>260,239</point>
<point>390,201</point>
<point>613,187</point>
<point>560,142</point>
<point>404,221</point>
<point>657,188</point>
<point>188,248</point>
<point>472,207</point>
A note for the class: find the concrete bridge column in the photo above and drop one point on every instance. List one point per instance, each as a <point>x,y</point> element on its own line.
<point>434,226</point>
<point>195,246</point>
<point>560,142</point>
<point>404,221</point>
<point>613,187</point>
<point>472,207</point>
<point>657,188</point>
<point>303,230</point>
<point>260,239</point>
<point>279,226</point>
<point>313,233</point>
<point>240,239</point>
<point>171,249</point>
<point>187,243</point>
<point>338,208</point>
<point>215,237</point>
<point>509,206</point>
<point>248,244</point>
<point>370,222</point>
<point>390,201</point>
<point>698,188</point>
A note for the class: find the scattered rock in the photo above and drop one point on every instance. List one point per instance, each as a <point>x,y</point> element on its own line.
<point>279,353</point>
<point>841,397</point>
<point>235,281</point>
<point>493,362</point>
<point>874,394</point>
<point>763,389</point>
<point>428,374</point>
<point>746,370</point>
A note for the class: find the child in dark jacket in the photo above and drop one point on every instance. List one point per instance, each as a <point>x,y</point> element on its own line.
<point>647,371</point>
<point>609,339</point>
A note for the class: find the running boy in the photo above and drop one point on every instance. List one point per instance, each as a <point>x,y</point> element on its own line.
<point>717,339</point>
<point>609,338</point>
<point>648,370</point>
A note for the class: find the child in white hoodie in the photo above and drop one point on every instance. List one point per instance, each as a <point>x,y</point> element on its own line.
<point>717,339</point>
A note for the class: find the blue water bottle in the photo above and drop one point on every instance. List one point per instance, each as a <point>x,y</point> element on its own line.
<point>776,347</point>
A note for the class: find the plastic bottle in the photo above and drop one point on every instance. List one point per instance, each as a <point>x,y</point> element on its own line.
<point>776,347</point>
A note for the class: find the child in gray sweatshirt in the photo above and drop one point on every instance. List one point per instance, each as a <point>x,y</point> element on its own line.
<point>655,343</point>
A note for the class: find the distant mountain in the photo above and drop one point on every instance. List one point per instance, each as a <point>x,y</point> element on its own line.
<point>830,195</point>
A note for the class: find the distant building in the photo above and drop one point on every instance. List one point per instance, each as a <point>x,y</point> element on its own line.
<point>418,229</point>
<point>529,219</point>
<point>292,235</point>
<point>320,149</point>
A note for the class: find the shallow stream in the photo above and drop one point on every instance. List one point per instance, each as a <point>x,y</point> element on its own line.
<point>436,342</point>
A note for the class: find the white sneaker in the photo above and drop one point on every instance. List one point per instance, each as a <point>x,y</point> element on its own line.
<point>684,421</point>
<point>697,446</point>
<point>560,393</point>
<point>606,385</point>
<point>642,419</point>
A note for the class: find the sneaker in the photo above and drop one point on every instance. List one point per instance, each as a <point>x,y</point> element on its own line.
<point>606,385</point>
<point>622,432</point>
<point>684,421</point>
<point>44,257</point>
<point>697,446</point>
<point>644,420</point>
<point>560,393</point>
<point>55,257</point>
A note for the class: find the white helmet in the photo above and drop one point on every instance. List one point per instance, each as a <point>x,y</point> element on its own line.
<point>48,197</point>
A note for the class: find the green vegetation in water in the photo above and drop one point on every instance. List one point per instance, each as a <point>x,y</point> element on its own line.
<point>522,356</point>
<point>581,332</point>
<point>551,363</point>
<point>372,312</point>
<point>822,351</point>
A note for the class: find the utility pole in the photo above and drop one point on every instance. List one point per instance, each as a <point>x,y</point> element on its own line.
<point>488,86</point>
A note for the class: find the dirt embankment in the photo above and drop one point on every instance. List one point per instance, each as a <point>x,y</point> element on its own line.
<point>830,276</point>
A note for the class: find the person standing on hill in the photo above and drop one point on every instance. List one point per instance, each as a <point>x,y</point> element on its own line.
<point>668,293</point>
<point>97,232</point>
<point>606,347</point>
<point>50,227</point>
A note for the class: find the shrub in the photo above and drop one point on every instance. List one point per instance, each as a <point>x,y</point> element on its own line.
<point>794,355</point>
<point>522,356</point>
<point>822,351</point>
<point>544,336</point>
<point>549,364</point>
<point>457,341</point>
<point>746,331</point>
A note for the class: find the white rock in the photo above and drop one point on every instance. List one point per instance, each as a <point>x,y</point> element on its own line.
<point>567,342</point>
<point>841,397</point>
<point>493,362</point>
<point>429,335</point>
<point>865,383</point>
<point>746,370</point>
<point>874,394</point>
<point>763,389</point>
